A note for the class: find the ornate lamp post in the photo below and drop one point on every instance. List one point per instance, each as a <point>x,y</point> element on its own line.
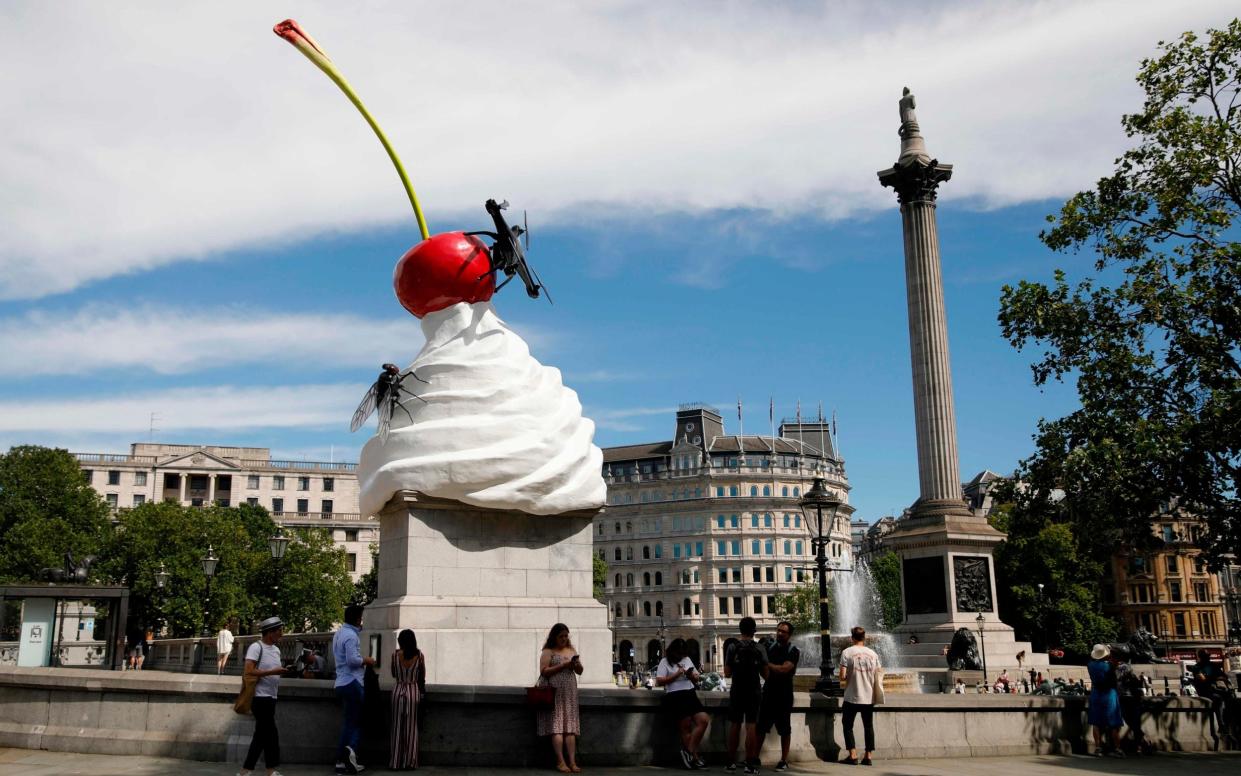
<point>277,544</point>
<point>161,576</point>
<point>209,565</point>
<point>816,500</point>
<point>1042,616</point>
<point>982,636</point>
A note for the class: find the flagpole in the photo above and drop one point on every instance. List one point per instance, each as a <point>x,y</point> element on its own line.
<point>771,416</point>
<point>740,437</point>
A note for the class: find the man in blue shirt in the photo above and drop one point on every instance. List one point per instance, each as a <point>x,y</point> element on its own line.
<point>350,670</point>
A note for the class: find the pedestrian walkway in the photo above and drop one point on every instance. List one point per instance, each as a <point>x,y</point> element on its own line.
<point>37,763</point>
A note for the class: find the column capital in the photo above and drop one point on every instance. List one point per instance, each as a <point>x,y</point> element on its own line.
<point>915,180</point>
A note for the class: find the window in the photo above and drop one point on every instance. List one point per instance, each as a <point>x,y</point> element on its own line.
<point>629,608</point>
<point>114,478</point>
<point>771,573</point>
<point>736,547</point>
<point>1178,624</point>
<point>801,575</point>
<point>222,502</point>
<point>719,521</point>
<point>771,604</point>
<point>618,609</point>
<point>617,530</point>
<point>646,608</point>
<point>252,481</point>
<point>737,574</point>
<point>754,520</point>
<point>659,551</point>
<point>697,549</point>
<point>758,604</point>
<point>618,553</point>
<point>788,573</point>
<point>1170,564</point>
<point>303,506</point>
<point>140,478</point>
<point>688,549</point>
<point>758,574</point>
<point>629,553</point>
<point>1174,592</point>
<point>351,534</point>
<point>732,491</point>
<point>769,547</point>
<point>303,483</point>
<point>628,527</point>
<point>329,484</point>
<point>87,474</point>
<point>1206,623</point>
<point>786,518</point>
<point>695,576</point>
<point>696,609</point>
<point>1167,533</point>
<point>684,576</point>
<point>798,546</point>
<point>629,580</point>
<point>139,499</point>
<point>1200,565</point>
<point>723,605</point>
<point>646,578</point>
<point>277,506</point>
<point>797,521</point>
<point>676,551</point>
<point>785,492</point>
<point>724,576</point>
<point>1200,592</point>
<point>659,578</point>
<point>685,607</point>
<point>1142,594</point>
<point>719,492</point>
<point>766,490</point>
<point>796,492</point>
<point>753,490</point>
<point>617,583</point>
<point>277,482</point>
<point>659,608</point>
<point>754,545</point>
<point>736,604</point>
<point>325,506</point>
<point>735,521</point>
<point>646,552</point>
<point>788,547</point>
<point>252,501</point>
<point>601,529</point>
<point>721,548</point>
<point>351,561</point>
<point>1137,565</point>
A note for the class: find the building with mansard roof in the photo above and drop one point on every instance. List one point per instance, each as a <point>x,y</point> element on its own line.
<point>705,528</point>
<point>297,493</point>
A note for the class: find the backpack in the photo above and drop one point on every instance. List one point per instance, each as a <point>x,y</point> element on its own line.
<point>746,661</point>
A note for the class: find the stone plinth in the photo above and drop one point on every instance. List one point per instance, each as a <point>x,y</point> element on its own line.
<point>481,588</point>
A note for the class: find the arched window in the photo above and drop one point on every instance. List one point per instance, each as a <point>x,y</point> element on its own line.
<point>618,580</point>
<point>617,528</point>
<point>618,609</point>
<point>601,529</point>
<point>646,552</point>
<point>646,608</point>
<point>796,492</point>
<point>786,517</point>
<point>659,551</point>
<point>766,490</point>
<point>628,553</point>
<point>629,608</point>
<point>659,608</point>
<point>646,578</point>
<point>732,490</point>
<point>799,548</point>
<point>628,527</point>
<point>788,547</point>
<point>659,578</point>
<point>784,491</point>
<point>629,580</point>
<point>685,607</point>
<point>618,553</point>
<point>767,520</point>
<point>753,490</point>
<point>684,576</point>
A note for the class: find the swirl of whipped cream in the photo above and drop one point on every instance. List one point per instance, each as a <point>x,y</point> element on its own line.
<point>492,427</point>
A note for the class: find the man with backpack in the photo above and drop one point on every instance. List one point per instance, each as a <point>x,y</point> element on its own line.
<point>746,664</point>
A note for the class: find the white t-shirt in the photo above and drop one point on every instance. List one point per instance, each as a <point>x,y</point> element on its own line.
<point>683,682</point>
<point>265,657</point>
<point>224,641</point>
<point>862,666</point>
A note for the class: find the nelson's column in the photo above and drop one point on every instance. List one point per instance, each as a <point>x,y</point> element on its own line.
<point>947,574</point>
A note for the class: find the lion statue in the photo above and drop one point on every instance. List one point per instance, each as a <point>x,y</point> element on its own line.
<point>963,652</point>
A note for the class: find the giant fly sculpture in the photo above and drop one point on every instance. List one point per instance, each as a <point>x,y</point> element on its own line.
<point>385,396</point>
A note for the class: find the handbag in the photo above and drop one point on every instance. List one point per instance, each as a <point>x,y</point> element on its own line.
<point>877,697</point>
<point>244,698</point>
<point>541,695</point>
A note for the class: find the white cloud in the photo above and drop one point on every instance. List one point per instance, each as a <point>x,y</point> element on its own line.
<point>211,410</point>
<point>137,134</point>
<point>171,341</point>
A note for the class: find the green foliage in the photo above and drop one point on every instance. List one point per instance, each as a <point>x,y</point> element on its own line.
<point>1044,546</point>
<point>313,581</point>
<point>1152,336</point>
<point>366,589</point>
<point>801,608</point>
<point>46,509</point>
<point>599,575</point>
<point>885,571</point>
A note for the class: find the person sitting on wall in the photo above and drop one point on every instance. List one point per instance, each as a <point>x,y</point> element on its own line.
<point>678,676</point>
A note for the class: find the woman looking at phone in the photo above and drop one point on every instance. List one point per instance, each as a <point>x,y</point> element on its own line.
<point>559,666</point>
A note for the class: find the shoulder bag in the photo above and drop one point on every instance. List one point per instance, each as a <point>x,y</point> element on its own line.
<point>542,695</point>
<point>878,697</point>
<point>248,685</point>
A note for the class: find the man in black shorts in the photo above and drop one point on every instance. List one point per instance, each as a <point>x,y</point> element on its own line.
<point>777,703</point>
<point>745,663</point>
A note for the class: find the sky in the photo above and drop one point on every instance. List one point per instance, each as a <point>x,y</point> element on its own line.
<point>196,225</point>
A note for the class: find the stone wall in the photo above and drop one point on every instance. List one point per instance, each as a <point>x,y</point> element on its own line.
<point>190,716</point>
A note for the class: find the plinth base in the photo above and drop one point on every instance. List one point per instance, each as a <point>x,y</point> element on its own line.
<point>481,589</point>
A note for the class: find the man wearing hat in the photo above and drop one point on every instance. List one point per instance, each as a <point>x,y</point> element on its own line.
<point>1103,712</point>
<point>263,661</point>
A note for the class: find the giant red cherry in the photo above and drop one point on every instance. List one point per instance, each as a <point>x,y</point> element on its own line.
<point>441,271</point>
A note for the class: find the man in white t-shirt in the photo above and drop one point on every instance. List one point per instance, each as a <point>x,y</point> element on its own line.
<point>859,673</point>
<point>264,663</point>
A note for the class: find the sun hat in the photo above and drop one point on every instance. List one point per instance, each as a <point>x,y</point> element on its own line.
<point>1099,652</point>
<point>271,623</point>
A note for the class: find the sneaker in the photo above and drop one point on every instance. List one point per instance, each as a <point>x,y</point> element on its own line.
<point>687,759</point>
<point>867,761</point>
<point>731,767</point>
<point>750,769</point>
<point>782,766</point>
<point>1116,753</point>
<point>699,763</point>
<point>351,761</point>
<point>341,769</point>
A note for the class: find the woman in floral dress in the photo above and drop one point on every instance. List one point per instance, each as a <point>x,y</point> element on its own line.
<point>409,668</point>
<point>559,666</point>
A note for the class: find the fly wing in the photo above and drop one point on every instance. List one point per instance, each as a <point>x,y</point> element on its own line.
<point>365,408</point>
<point>385,415</point>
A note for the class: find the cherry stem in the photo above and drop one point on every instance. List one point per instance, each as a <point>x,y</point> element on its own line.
<point>290,31</point>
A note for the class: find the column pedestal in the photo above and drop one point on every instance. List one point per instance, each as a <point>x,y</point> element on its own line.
<point>481,588</point>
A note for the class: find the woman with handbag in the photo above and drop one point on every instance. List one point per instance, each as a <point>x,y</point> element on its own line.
<point>409,669</point>
<point>263,664</point>
<point>559,667</point>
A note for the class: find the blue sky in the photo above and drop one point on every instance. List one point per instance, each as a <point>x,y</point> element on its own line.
<point>197,224</point>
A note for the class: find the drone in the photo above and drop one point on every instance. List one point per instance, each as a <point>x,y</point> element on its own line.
<point>385,395</point>
<point>507,254</point>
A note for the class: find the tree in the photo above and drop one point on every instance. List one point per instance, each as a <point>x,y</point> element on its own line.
<point>314,581</point>
<point>1152,337</point>
<point>801,608</point>
<point>47,508</point>
<point>599,575</point>
<point>366,589</point>
<point>885,573</point>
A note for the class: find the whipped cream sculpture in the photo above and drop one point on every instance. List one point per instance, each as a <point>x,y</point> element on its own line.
<point>482,422</point>
<point>491,427</point>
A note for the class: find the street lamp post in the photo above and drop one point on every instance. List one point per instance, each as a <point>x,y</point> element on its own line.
<point>277,544</point>
<point>1042,617</point>
<point>982,636</point>
<point>209,565</point>
<point>817,499</point>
